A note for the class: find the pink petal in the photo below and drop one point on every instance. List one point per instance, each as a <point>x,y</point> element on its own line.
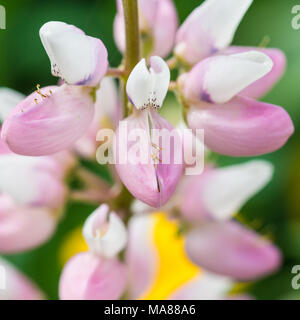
<point>107,110</point>
<point>209,28</point>
<point>141,267</point>
<point>105,232</point>
<point>157,18</point>
<point>219,193</point>
<point>23,228</point>
<point>119,27</point>
<point>18,286</point>
<point>265,84</point>
<point>206,286</point>
<point>48,125</point>
<point>150,183</point>
<point>232,250</point>
<point>242,127</point>
<point>32,181</point>
<point>192,206</point>
<point>164,28</point>
<point>220,78</point>
<point>88,277</point>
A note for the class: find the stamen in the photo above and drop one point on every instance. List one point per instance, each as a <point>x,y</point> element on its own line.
<point>151,101</point>
<point>156,146</point>
<point>38,91</point>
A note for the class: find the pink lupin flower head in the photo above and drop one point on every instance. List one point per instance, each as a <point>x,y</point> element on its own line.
<point>234,125</point>
<point>49,120</point>
<point>157,21</point>
<point>97,274</point>
<point>75,57</point>
<point>152,169</point>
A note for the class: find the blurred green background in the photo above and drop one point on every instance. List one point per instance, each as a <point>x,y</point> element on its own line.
<point>275,210</point>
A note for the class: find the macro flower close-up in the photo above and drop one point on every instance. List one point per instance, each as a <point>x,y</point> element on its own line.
<point>149,151</point>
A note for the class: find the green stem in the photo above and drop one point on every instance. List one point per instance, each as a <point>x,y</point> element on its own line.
<point>132,52</point>
<point>124,98</point>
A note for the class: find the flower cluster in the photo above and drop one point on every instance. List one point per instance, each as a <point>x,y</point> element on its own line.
<point>172,236</point>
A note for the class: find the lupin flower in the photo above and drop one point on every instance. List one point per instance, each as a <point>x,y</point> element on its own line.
<point>32,196</point>
<point>16,285</point>
<point>51,119</point>
<point>32,191</point>
<point>97,274</point>
<point>209,29</point>
<point>75,57</point>
<point>234,125</point>
<point>158,25</point>
<point>153,174</point>
<point>219,193</point>
<point>211,200</point>
<point>260,87</point>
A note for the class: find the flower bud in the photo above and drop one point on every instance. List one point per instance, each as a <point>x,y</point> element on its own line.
<point>105,232</point>
<point>147,149</point>
<point>158,24</point>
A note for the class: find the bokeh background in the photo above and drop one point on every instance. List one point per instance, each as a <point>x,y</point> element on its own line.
<point>274,212</point>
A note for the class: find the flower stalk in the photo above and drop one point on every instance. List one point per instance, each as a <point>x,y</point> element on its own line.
<point>132,52</point>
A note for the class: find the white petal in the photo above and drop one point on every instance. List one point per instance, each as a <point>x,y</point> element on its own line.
<point>74,56</point>
<point>229,188</point>
<point>24,190</point>
<point>212,25</point>
<point>161,73</point>
<point>148,88</point>
<point>9,98</point>
<point>105,232</point>
<point>228,75</point>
